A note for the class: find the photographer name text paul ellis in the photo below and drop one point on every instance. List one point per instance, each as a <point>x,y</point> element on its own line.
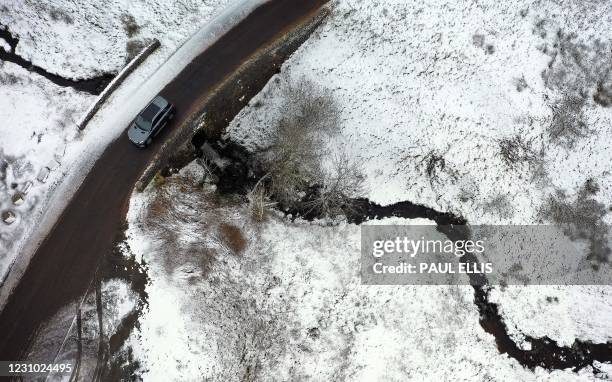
<point>433,268</point>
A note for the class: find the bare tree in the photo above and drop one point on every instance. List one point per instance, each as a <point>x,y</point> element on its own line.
<point>294,160</point>
<point>340,186</point>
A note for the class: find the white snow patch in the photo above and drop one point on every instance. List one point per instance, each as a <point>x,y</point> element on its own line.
<point>119,301</point>
<point>85,39</point>
<point>5,45</point>
<point>580,312</point>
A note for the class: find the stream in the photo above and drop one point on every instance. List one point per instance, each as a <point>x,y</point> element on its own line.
<point>93,85</point>
<point>544,352</point>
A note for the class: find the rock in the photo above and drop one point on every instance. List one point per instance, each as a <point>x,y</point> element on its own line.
<point>17,199</point>
<point>60,152</point>
<point>8,217</point>
<point>43,174</point>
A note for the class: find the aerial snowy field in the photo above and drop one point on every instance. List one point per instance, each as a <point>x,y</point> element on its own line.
<point>230,299</point>
<point>498,112</point>
<point>467,108</point>
<point>451,79</point>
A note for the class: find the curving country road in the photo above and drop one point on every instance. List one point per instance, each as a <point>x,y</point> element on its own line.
<point>66,260</point>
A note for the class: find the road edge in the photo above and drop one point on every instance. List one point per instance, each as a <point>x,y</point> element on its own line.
<point>298,32</point>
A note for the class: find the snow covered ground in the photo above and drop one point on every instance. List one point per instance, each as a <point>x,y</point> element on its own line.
<point>579,312</point>
<point>85,39</point>
<point>429,96</point>
<point>43,157</point>
<point>412,78</point>
<point>233,299</point>
<point>37,127</point>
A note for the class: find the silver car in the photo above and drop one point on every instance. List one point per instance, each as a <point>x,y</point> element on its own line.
<point>150,121</point>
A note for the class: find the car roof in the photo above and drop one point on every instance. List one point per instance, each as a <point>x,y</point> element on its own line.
<point>153,108</point>
<point>150,112</point>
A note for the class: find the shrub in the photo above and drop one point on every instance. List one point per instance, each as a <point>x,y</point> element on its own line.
<point>294,160</point>
<point>603,95</point>
<point>259,201</point>
<point>581,218</point>
<point>568,122</point>
<point>133,48</point>
<point>58,14</point>
<point>130,26</point>
<point>232,237</point>
<point>576,67</point>
<point>516,149</point>
<point>501,206</point>
<point>9,79</point>
<point>158,180</point>
<point>433,163</point>
<point>340,185</point>
<point>521,83</point>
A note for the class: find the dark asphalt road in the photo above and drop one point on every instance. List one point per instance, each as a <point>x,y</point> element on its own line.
<point>65,262</point>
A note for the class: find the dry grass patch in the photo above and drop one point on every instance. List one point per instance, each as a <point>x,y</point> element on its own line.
<point>232,236</point>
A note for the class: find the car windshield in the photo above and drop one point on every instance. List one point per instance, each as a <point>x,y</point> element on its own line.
<point>142,124</point>
<point>144,119</point>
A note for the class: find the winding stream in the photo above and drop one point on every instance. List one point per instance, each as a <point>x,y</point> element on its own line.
<point>544,352</point>
<point>93,85</point>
